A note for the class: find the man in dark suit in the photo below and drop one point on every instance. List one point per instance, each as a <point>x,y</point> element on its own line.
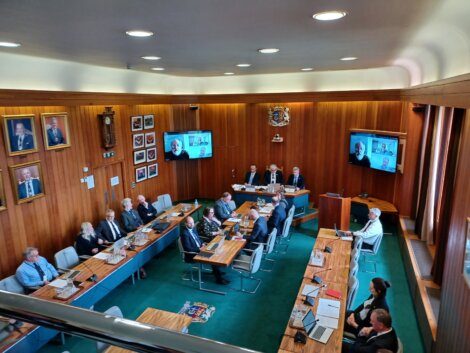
<point>259,233</point>
<point>29,187</point>
<point>146,211</point>
<point>192,243</point>
<point>252,177</point>
<point>109,229</point>
<point>295,179</point>
<point>222,208</point>
<point>273,176</point>
<point>383,336</point>
<point>277,216</point>
<point>129,217</point>
<point>54,134</point>
<point>22,140</point>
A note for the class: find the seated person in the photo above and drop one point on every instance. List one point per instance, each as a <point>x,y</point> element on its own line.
<point>129,217</point>
<point>259,234</point>
<point>146,211</point>
<point>359,157</point>
<point>176,152</point>
<point>35,271</point>
<point>382,336</point>
<point>358,320</point>
<point>109,229</point>
<point>222,209</point>
<point>87,242</point>
<point>277,216</point>
<point>192,243</point>
<point>252,177</point>
<point>295,179</point>
<point>273,176</point>
<point>371,230</point>
<point>282,199</point>
<point>209,226</point>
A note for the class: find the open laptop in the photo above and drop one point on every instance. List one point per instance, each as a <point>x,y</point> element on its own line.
<point>316,332</point>
<point>340,233</point>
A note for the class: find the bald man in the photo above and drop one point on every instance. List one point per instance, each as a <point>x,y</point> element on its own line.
<point>146,211</point>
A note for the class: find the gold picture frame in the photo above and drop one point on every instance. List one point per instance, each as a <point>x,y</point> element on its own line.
<point>55,129</point>
<point>20,134</point>
<point>3,201</point>
<point>19,176</point>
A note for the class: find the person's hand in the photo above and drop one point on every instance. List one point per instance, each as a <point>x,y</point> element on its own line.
<point>297,188</point>
<point>351,321</point>
<point>94,251</point>
<point>46,282</point>
<point>348,232</point>
<point>100,241</point>
<point>365,331</point>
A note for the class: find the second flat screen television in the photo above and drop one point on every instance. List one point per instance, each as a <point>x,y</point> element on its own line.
<point>180,145</point>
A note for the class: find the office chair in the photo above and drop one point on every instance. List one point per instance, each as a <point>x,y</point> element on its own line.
<point>400,346</point>
<point>112,311</point>
<point>353,285</point>
<point>353,268</point>
<point>190,265</point>
<point>232,205</point>
<point>284,237</point>
<point>247,265</point>
<point>373,252</point>
<point>355,254</point>
<point>357,244</point>
<point>268,248</point>
<point>158,206</point>
<point>165,201</point>
<point>11,284</point>
<point>66,259</point>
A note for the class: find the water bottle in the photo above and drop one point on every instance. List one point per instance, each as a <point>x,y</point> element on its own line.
<point>196,203</point>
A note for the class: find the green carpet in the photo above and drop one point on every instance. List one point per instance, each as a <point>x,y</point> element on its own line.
<point>252,321</point>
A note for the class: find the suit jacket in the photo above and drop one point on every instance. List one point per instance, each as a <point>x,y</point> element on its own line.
<point>259,233</point>
<point>104,231</point>
<point>131,220</point>
<point>267,177</point>
<point>22,193</point>
<point>373,343</point>
<point>300,181</point>
<point>277,219</point>
<point>147,214</point>
<point>377,303</point>
<point>189,244</point>
<point>85,247</point>
<point>28,143</point>
<point>255,178</point>
<point>222,210</point>
<point>54,140</point>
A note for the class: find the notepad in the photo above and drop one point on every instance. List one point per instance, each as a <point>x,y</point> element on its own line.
<point>101,256</point>
<point>327,321</point>
<point>58,283</point>
<point>328,307</point>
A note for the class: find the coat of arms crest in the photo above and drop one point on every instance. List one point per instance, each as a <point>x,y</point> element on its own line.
<point>279,116</point>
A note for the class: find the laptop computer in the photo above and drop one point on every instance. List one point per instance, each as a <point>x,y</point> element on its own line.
<point>340,233</point>
<point>316,332</point>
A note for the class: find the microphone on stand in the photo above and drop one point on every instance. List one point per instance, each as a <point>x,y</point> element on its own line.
<point>328,249</point>
<point>318,279</point>
<point>94,276</point>
<point>310,300</point>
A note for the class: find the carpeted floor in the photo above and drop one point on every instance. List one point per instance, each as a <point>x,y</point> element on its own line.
<point>253,321</point>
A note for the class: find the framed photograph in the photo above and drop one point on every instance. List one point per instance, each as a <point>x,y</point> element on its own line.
<point>140,174</point>
<point>27,181</point>
<point>139,157</point>
<point>3,201</point>
<point>138,141</point>
<point>150,139</point>
<point>148,122</point>
<point>55,127</point>
<point>466,259</point>
<point>20,135</point>
<point>137,123</point>
<point>151,154</point>
<point>152,171</point>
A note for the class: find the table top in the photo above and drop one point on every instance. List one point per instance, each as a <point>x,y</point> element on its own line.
<point>243,210</point>
<point>382,205</point>
<point>265,193</point>
<point>227,254</point>
<point>160,318</point>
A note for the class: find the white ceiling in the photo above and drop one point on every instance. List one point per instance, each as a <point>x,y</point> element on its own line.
<point>209,37</point>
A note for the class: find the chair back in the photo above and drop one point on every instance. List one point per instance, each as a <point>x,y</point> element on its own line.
<point>286,228</point>
<point>165,200</point>
<point>355,253</point>
<point>290,213</point>
<point>358,243</point>
<point>11,284</point>
<point>353,285</point>
<point>400,346</point>
<point>66,258</point>
<point>113,311</point>
<point>353,268</point>
<point>256,257</point>
<point>375,246</point>
<point>158,206</point>
<point>180,248</point>
<point>232,205</point>
<point>271,241</point>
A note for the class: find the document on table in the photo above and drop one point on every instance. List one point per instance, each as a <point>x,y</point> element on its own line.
<point>347,238</point>
<point>328,307</point>
<point>234,220</point>
<point>58,283</point>
<point>310,290</point>
<point>101,256</point>
<point>327,321</point>
<point>146,230</point>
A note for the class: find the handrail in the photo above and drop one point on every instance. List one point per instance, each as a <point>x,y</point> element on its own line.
<point>116,331</point>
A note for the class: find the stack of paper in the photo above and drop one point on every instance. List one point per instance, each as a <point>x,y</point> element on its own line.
<point>310,290</point>
<point>101,256</point>
<point>58,283</point>
<point>328,312</point>
<point>234,220</point>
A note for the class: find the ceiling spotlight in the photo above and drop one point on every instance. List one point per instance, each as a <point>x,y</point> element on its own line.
<point>243,65</point>
<point>10,44</point>
<point>268,50</point>
<point>307,69</point>
<point>158,69</point>
<point>229,73</point>
<point>139,33</point>
<point>329,15</point>
<point>349,58</point>
<point>150,57</point>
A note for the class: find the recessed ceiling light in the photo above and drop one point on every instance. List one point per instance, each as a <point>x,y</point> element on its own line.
<point>307,69</point>
<point>349,58</point>
<point>150,57</point>
<point>158,68</point>
<point>243,65</point>
<point>329,15</point>
<point>229,73</point>
<point>10,44</point>
<point>268,50</point>
<point>139,33</point>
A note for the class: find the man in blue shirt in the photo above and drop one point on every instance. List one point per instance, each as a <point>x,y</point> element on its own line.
<point>35,271</point>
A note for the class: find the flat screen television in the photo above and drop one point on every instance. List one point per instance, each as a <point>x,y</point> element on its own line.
<point>376,151</point>
<point>181,145</point>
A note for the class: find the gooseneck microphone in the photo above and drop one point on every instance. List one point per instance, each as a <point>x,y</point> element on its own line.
<point>328,249</point>
<point>318,279</point>
<point>94,276</point>
<point>310,300</point>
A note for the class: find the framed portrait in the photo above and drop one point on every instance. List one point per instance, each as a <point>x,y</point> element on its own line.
<point>152,154</point>
<point>137,123</point>
<point>3,201</point>
<point>466,259</point>
<point>55,127</point>
<point>140,174</point>
<point>20,134</point>
<point>152,170</point>
<point>139,157</point>
<point>150,139</point>
<point>138,141</point>
<point>27,181</point>
<point>149,122</point>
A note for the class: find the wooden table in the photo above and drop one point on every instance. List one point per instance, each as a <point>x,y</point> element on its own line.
<point>223,258</point>
<point>336,279</point>
<point>159,318</point>
<point>383,206</point>
<point>298,198</point>
<point>243,210</point>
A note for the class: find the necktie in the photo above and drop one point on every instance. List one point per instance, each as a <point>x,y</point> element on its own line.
<point>295,181</point>
<point>114,230</point>
<point>29,188</point>
<point>227,208</point>
<point>198,243</point>
<point>251,178</point>
<point>20,142</point>
<point>40,271</point>
<point>367,226</point>
<point>133,215</point>
<point>273,178</point>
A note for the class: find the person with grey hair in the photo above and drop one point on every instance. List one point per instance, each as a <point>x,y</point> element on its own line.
<point>35,270</point>
<point>129,217</point>
<point>371,230</point>
<point>359,156</point>
<point>259,234</point>
<point>176,151</point>
<point>295,179</point>
<point>273,175</point>
<point>87,242</point>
